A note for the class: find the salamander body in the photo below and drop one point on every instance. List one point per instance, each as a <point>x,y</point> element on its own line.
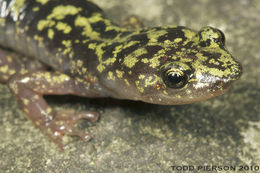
<point>70,47</point>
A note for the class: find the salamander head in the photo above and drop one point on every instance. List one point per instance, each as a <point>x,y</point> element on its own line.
<point>172,65</point>
<point>187,67</point>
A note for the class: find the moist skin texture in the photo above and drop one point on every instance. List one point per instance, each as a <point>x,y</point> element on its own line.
<point>55,47</point>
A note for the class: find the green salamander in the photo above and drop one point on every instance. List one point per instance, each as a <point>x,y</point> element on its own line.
<point>57,47</point>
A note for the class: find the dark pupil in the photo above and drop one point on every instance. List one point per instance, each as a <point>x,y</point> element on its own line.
<point>174,77</point>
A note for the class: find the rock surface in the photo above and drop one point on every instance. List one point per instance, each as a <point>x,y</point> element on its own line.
<point>138,137</point>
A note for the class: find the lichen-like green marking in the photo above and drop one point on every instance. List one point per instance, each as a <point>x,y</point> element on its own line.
<point>87,29</point>
<point>61,26</point>
<point>132,59</point>
<point>111,75</point>
<point>177,40</point>
<point>58,13</point>
<point>35,9</point>
<point>42,24</point>
<point>50,33</point>
<point>68,48</point>
<point>127,83</point>
<point>153,35</point>
<point>99,52</point>
<point>119,73</point>
<point>42,1</point>
<point>151,80</point>
<point>139,87</point>
<point>61,11</point>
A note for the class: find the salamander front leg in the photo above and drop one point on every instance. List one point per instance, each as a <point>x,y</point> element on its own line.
<point>29,89</point>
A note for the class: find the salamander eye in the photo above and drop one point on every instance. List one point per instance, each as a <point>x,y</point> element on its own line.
<point>175,78</point>
<point>222,36</point>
